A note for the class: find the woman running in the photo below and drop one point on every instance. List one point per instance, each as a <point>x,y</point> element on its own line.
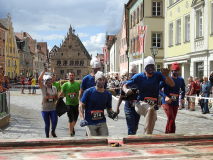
<point>49,95</point>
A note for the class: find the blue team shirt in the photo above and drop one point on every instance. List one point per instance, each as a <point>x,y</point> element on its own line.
<point>147,86</point>
<point>95,100</point>
<point>89,81</point>
<point>179,83</point>
<point>127,105</point>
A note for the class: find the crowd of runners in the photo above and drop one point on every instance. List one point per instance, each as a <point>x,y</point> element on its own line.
<point>142,92</point>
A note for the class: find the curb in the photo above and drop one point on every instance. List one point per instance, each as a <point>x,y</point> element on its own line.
<point>54,142</point>
<point>167,138</point>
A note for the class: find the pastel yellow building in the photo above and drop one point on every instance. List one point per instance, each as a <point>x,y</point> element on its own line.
<point>189,36</point>
<point>12,57</point>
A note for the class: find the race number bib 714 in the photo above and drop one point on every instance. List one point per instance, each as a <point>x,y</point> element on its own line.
<point>97,114</point>
<point>150,100</point>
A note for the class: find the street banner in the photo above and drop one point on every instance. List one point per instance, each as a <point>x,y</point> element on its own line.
<point>142,38</point>
<point>105,54</point>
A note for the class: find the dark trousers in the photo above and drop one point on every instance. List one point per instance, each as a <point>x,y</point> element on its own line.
<point>171,112</point>
<point>205,107</point>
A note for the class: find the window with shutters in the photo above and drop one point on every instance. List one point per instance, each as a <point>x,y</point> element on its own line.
<point>81,63</point>
<point>199,23</point>
<point>187,28</point>
<point>178,31</point>
<point>76,63</point>
<point>71,63</point>
<point>58,63</point>
<point>171,34</point>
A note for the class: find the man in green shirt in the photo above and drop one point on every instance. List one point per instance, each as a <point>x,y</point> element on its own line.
<point>70,90</point>
<point>56,84</point>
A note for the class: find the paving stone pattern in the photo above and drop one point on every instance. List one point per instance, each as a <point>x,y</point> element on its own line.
<point>26,121</point>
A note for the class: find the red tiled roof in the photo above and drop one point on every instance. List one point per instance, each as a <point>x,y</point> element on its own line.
<point>2,26</point>
<point>21,35</point>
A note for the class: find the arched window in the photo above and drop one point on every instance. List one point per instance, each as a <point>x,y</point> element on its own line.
<point>72,63</point>
<point>78,54</point>
<point>58,63</point>
<point>76,63</point>
<point>65,63</point>
<point>61,54</point>
<point>81,63</point>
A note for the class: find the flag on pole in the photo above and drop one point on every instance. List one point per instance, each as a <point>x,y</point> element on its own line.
<point>142,38</point>
<point>105,54</point>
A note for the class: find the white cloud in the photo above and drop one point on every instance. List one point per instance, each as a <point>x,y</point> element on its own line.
<point>46,37</point>
<point>49,48</point>
<point>95,44</point>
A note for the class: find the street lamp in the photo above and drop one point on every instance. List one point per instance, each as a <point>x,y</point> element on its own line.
<point>154,51</point>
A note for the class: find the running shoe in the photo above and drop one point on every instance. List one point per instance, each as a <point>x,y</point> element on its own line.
<point>72,135</point>
<point>210,106</point>
<point>73,131</point>
<point>53,135</point>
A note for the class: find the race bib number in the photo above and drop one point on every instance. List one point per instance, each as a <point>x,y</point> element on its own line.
<point>173,97</point>
<point>150,100</point>
<point>72,95</point>
<point>50,99</point>
<point>97,114</point>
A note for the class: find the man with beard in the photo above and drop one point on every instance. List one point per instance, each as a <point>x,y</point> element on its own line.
<point>148,86</point>
<point>70,90</point>
<point>94,101</point>
<point>171,97</point>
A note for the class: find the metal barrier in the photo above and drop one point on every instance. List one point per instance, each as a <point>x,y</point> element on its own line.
<point>4,104</point>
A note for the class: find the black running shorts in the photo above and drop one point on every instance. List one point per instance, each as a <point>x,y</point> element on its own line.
<point>72,113</point>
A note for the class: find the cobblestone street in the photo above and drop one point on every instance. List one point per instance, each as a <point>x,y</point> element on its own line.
<point>26,120</point>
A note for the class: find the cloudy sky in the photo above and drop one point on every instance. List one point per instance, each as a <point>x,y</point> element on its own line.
<point>49,20</point>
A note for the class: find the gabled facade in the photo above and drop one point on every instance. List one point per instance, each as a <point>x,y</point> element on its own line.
<point>189,36</point>
<point>12,55</point>
<point>3,31</point>
<point>123,44</point>
<point>71,56</point>
<point>150,13</point>
<point>26,57</point>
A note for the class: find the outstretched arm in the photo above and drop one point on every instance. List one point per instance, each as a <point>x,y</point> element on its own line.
<point>40,79</point>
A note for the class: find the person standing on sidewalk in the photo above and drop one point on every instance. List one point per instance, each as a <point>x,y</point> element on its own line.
<point>29,83</point>
<point>205,92</point>
<point>49,95</point>
<point>197,83</point>
<point>70,90</point>
<point>192,93</point>
<point>56,84</point>
<point>148,85</point>
<point>23,84</point>
<point>34,85</point>
<point>171,97</point>
<point>2,81</point>
<point>132,117</point>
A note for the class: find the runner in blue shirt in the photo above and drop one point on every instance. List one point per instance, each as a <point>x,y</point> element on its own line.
<point>132,117</point>
<point>95,100</point>
<point>148,85</point>
<point>89,80</point>
<point>171,97</point>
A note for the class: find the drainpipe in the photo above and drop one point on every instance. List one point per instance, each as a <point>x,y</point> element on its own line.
<point>143,24</point>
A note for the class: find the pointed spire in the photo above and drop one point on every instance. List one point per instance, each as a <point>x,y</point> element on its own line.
<point>67,34</point>
<point>60,44</point>
<point>70,25</point>
<point>62,41</point>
